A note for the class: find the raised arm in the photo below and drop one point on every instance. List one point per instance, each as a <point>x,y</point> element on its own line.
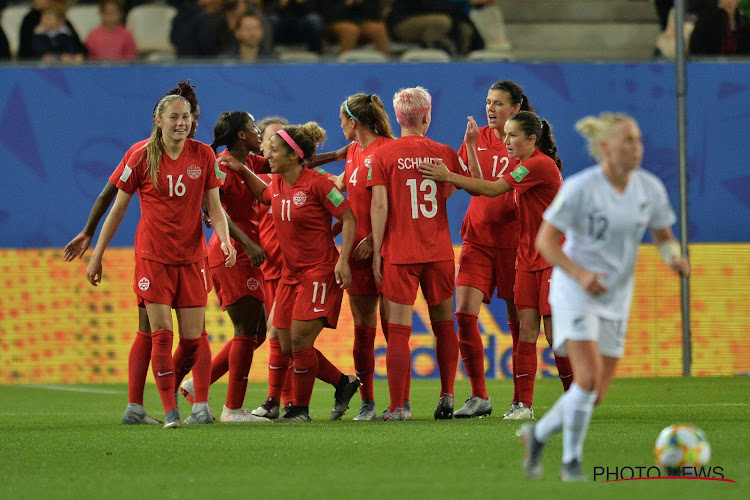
<point>252,181</point>
<point>219,221</point>
<point>378,216</point>
<point>470,139</point>
<point>348,228</point>
<point>475,187</point>
<point>324,158</point>
<point>78,245</point>
<point>111,223</point>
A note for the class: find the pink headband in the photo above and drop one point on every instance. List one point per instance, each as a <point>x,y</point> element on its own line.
<point>291,142</point>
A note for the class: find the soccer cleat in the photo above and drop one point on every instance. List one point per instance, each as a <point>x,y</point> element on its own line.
<point>295,414</point>
<point>240,415</point>
<point>444,410</point>
<point>188,390</point>
<point>367,411</point>
<point>393,416</point>
<point>201,414</point>
<point>512,408</point>
<point>172,419</point>
<point>269,409</point>
<point>406,414</point>
<point>344,392</point>
<point>474,407</point>
<point>522,412</point>
<point>136,414</point>
<point>572,472</point>
<point>532,460</point>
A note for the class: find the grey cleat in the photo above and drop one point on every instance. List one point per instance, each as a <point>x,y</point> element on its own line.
<point>201,414</point>
<point>172,419</point>
<point>269,409</point>
<point>393,416</point>
<point>572,472</point>
<point>406,414</point>
<point>474,407</point>
<point>444,410</point>
<point>512,408</point>
<point>136,414</point>
<point>521,412</point>
<point>532,460</point>
<point>367,411</point>
<point>295,414</point>
<point>344,393</point>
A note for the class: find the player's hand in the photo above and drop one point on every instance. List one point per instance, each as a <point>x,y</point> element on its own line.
<point>207,219</point>
<point>255,252</point>
<point>363,251</point>
<point>77,247</point>
<point>341,153</point>
<point>472,133</point>
<point>589,281</point>
<point>377,261</point>
<point>230,253</point>
<point>94,271</point>
<point>436,172</point>
<point>343,273</point>
<point>681,266</point>
<point>231,163</point>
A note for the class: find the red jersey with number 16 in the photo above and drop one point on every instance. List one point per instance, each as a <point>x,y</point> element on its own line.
<point>416,230</point>
<point>170,229</point>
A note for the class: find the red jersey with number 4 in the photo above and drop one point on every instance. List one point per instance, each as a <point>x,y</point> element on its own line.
<point>302,216</point>
<point>356,172</point>
<point>170,229</point>
<point>268,241</point>
<point>240,206</point>
<point>121,166</point>
<point>491,221</point>
<point>536,182</point>
<point>416,230</point>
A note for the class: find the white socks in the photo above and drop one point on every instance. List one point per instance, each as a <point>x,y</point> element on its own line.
<point>577,408</point>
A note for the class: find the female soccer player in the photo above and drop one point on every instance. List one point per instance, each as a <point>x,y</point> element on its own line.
<point>140,351</point>
<point>412,247</point>
<point>365,121</point>
<point>490,232</point>
<point>603,212</point>
<point>171,173</point>
<point>536,180</point>
<point>309,295</point>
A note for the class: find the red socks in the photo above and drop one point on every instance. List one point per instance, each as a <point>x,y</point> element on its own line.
<point>202,370</point>
<point>220,363</point>
<point>514,327</point>
<point>398,363</point>
<point>138,360</point>
<point>240,359</point>
<point>162,366</point>
<point>278,365</point>
<point>526,371</point>
<point>364,359</point>
<point>305,369</point>
<point>287,393</point>
<point>564,371</point>
<point>446,349</point>
<point>326,371</point>
<point>184,359</point>
<point>472,352</point>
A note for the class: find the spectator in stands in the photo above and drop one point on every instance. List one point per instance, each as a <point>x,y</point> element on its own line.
<point>252,42</point>
<point>296,22</point>
<point>29,24</point>
<point>426,22</point>
<point>4,46</point>
<point>53,40</point>
<point>721,30</point>
<point>111,41</point>
<point>348,22</point>
<point>489,22</point>
<point>663,7</point>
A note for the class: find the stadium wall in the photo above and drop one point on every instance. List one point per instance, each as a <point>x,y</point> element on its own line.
<point>63,130</point>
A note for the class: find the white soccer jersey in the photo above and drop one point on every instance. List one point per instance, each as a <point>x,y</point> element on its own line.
<point>603,230</point>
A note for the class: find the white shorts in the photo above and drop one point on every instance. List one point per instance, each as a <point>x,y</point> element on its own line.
<point>575,324</point>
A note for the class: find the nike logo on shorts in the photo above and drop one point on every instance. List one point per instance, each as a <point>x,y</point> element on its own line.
<point>315,309</point>
<point>160,374</point>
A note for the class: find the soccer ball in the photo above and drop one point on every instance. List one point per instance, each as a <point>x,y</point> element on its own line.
<point>681,445</point>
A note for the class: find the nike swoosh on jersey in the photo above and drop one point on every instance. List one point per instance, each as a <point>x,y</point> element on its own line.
<point>481,149</point>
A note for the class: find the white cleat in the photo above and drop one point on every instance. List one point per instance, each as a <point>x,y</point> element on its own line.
<point>240,415</point>
<point>522,412</point>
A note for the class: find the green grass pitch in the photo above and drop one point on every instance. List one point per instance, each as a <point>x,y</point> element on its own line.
<point>67,442</point>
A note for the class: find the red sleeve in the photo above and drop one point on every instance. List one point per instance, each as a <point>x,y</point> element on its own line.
<point>455,165</point>
<point>256,163</point>
<point>330,196</point>
<point>121,166</point>
<point>268,193</point>
<point>526,175</point>
<point>131,177</point>
<point>213,179</point>
<point>376,176</point>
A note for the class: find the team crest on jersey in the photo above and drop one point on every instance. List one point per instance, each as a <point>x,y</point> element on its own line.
<point>299,199</point>
<point>194,171</point>
<point>252,284</point>
<point>144,284</point>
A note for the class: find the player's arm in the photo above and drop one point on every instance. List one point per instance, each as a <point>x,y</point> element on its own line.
<point>669,250</point>
<point>475,187</point>
<point>111,223</point>
<point>470,139</point>
<point>252,181</point>
<point>348,228</point>
<point>548,243</point>
<point>324,158</point>
<point>219,221</point>
<point>339,181</point>
<point>78,245</point>
<point>378,216</point>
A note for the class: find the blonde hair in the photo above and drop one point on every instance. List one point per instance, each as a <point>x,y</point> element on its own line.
<point>154,146</point>
<point>600,128</point>
<point>411,105</point>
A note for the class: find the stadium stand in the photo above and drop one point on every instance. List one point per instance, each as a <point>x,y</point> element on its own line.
<point>84,18</point>
<point>150,26</point>
<point>12,16</point>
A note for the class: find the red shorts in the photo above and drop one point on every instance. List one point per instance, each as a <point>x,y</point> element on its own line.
<point>401,281</point>
<point>178,286</point>
<point>270,287</point>
<point>487,269</point>
<point>310,299</point>
<point>363,279</point>
<point>532,290</point>
<point>233,283</point>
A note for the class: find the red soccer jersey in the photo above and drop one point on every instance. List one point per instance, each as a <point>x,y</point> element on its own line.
<point>268,241</point>
<point>416,230</point>
<point>121,166</point>
<point>536,181</point>
<point>491,221</point>
<point>357,170</point>
<point>241,206</point>
<point>170,229</point>
<point>302,215</point>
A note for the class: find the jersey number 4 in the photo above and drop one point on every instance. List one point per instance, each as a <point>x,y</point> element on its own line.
<point>427,189</point>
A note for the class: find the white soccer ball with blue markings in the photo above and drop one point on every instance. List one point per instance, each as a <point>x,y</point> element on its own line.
<point>681,445</point>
